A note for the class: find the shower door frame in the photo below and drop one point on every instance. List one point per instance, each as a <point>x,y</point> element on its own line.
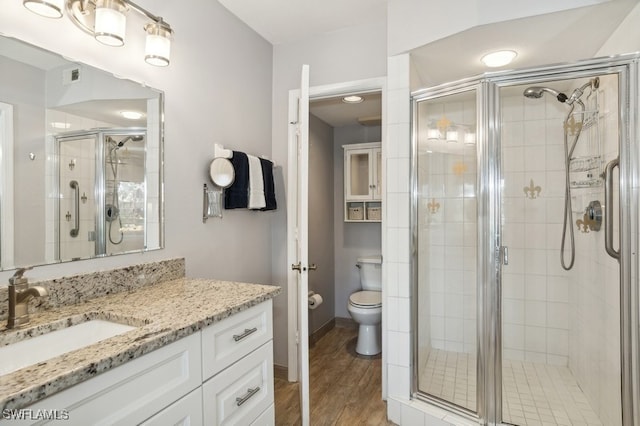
<point>490,250</point>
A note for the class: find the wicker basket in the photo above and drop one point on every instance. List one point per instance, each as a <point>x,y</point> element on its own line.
<point>374,213</point>
<point>356,213</point>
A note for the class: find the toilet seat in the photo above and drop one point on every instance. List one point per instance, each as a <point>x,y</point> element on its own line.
<point>366,299</point>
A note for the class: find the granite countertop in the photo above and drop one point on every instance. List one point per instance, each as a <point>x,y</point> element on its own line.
<point>162,314</point>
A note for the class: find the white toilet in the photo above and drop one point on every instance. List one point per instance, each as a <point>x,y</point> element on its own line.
<point>365,306</point>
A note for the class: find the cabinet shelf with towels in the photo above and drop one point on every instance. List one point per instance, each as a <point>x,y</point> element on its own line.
<point>363,182</point>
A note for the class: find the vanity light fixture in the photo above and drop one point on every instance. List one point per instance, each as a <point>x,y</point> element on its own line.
<point>106,21</point>
<point>46,8</point>
<point>499,58</point>
<point>352,99</point>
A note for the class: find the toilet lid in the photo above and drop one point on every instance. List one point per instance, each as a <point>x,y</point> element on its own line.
<point>366,299</point>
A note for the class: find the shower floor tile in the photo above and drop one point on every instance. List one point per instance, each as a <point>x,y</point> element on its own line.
<point>533,393</point>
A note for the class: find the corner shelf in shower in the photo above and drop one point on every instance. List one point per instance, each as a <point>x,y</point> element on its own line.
<point>585,171</point>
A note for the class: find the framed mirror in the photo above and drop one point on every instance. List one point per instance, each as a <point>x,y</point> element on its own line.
<point>80,160</point>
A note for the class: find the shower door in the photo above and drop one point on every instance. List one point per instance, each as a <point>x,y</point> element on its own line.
<point>76,207</point>
<point>445,175</point>
<point>560,289</point>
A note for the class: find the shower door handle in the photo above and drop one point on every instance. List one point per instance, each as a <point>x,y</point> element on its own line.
<point>76,187</point>
<point>608,217</point>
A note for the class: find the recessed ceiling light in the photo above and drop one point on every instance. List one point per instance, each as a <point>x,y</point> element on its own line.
<point>60,125</point>
<point>131,115</point>
<point>353,99</point>
<point>499,58</point>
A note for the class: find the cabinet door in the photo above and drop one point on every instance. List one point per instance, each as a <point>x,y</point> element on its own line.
<point>376,173</point>
<point>358,183</point>
<point>186,411</point>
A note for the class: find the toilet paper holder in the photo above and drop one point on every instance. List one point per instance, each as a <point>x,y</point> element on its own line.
<point>314,300</point>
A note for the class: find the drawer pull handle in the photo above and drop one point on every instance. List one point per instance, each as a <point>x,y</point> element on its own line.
<point>250,393</point>
<point>247,331</point>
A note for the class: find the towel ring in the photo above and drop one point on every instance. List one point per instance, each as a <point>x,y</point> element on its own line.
<point>221,172</point>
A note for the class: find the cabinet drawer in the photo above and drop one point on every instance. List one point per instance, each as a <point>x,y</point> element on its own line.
<point>234,337</point>
<point>241,393</point>
<point>187,411</point>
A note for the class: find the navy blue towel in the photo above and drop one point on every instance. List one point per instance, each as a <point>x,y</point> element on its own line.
<point>269,186</point>
<point>237,195</point>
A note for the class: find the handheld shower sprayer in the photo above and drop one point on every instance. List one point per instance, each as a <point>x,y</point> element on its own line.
<point>536,92</point>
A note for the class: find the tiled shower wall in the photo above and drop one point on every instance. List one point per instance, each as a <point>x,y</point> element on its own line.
<point>551,315</point>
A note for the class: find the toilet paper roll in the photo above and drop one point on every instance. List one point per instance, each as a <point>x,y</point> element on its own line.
<point>315,301</point>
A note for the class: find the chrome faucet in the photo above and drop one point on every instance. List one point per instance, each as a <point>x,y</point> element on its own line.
<point>19,295</point>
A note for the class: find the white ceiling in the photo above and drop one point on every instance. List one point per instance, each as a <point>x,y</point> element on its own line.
<point>283,21</point>
<point>338,114</point>
<point>540,40</point>
<point>552,38</point>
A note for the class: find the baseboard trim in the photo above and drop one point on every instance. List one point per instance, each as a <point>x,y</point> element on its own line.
<point>346,323</point>
<point>280,372</point>
<point>319,333</point>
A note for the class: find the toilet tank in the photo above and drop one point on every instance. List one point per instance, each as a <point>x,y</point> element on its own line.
<point>370,272</point>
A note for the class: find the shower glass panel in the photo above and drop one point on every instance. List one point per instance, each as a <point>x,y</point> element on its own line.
<point>77,206</point>
<point>445,161</point>
<point>560,309</point>
<point>125,193</point>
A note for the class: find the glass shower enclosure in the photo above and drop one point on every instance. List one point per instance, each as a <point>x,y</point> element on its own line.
<point>525,234</point>
<point>102,192</point>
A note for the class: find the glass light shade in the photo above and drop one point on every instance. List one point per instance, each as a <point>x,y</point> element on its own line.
<point>452,136</point>
<point>499,58</point>
<point>46,8</point>
<point>111,22</point>
<point>352,99</point>
<point>158,46</point>
<point>433,134</point>
<point>469,138</point>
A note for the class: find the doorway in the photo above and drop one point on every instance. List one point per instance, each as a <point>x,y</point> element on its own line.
<point>322,95</point>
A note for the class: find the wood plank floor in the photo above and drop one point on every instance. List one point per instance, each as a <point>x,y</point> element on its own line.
<point>345,389</point>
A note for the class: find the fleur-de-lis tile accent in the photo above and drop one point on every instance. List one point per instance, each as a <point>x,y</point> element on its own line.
<point>587,224</point>
<point>572,126</point>
<point>459,168</point>
<point>443,124</point>
<point>532,191</point>
<point>433,206</point>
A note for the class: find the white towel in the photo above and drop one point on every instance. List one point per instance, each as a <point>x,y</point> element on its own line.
<point>256,184</point>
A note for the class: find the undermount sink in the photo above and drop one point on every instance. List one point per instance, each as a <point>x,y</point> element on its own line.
<point>50,344</point>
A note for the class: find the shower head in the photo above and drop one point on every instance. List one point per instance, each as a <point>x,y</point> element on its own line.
<point>536,92</point>
<point>135,138</point>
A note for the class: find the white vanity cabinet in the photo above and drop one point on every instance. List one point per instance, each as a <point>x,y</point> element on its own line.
<point>363,182</point>
<point>222,374</point>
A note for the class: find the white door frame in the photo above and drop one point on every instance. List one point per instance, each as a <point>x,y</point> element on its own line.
<point>315,93</point>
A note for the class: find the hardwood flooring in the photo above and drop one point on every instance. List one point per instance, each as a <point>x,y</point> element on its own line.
<point>345,389</point>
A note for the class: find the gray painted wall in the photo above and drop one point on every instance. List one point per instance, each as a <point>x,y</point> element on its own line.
<point>321,207</point>
<point>352,240</point>
<point>218,89</point>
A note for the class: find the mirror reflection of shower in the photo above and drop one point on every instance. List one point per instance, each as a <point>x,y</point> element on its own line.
<point>105,211</point>
<point>112,209</point>
<point>574,123</point>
